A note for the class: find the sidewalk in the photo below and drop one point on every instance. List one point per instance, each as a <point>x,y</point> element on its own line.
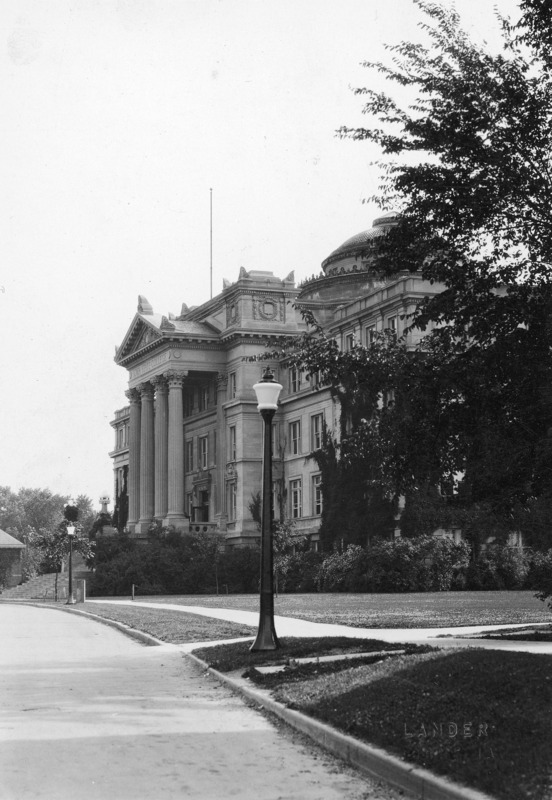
<point>290,626</point>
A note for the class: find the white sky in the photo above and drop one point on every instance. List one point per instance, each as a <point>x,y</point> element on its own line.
<point>117,118</point>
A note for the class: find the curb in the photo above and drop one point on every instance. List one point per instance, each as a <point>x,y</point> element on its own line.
<point>373,761</point>
<point>140,636</point>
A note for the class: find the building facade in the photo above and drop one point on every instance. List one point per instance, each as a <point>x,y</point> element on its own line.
<point>188,446</point>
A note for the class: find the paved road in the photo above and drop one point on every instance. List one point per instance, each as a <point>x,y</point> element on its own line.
<point>87,713</point>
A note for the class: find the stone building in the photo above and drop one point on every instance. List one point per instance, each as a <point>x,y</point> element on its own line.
<point>188,446</point>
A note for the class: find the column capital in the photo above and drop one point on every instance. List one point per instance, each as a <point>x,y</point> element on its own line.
<point>175,378</point>
<point>221,379</point>
<point>159,383</point>
<point>145,389</point>
<point>133,396</point>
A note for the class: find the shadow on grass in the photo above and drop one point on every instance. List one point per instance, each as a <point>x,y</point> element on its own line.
<point>482,718</point>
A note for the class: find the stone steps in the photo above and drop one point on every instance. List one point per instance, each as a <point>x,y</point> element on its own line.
<point>42,587</point>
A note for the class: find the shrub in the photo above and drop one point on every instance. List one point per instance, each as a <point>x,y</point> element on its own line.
<point>540,576</point>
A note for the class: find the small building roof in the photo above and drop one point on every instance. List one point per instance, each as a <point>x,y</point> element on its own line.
<point>8,542</point>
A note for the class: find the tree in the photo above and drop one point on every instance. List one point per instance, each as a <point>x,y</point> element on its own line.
<point>468,164</point>
<point>54,545</point>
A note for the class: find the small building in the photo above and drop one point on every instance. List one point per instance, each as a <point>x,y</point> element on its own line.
<point>10,560</point>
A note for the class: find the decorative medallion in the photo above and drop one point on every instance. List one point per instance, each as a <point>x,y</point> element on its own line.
<point>269,308</point>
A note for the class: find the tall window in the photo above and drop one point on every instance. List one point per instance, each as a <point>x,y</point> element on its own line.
<point>232,500</point>
<point>232,391</point>
<point>317,423</point>
<point>295,437</point>
<point>370,335</point>
<point>349,341</point>
<point>190,455</point>
<point>203,397</point>
<point>275,433</point>
<point>294,379</point>
<point>392,326</point>
<point>190,504</point>
<point>316,495</point>
<point>203,452</point>
<point>188,402</point>
<point>295,498</point>
<point>232,443</point>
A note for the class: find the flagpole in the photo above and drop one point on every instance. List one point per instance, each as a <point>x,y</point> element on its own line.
<point>211,240</point>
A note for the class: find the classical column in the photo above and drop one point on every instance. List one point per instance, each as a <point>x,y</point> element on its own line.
<point>134,458</point>
<point>147,475</point>
<point>161,446</point>
<point>175,509</point>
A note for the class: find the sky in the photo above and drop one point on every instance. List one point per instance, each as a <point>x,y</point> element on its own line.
<point>118,119</point>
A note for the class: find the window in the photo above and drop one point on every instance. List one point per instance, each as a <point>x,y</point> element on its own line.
<point>317,423</point>
<point>190,505</point>
<point>296,500</point>
<point>276,500</point>
<point>275,433</point>
<point>295,438</point>
<point>232,443</point>
<point>232,391</point>
<point>120,433</point>
<point>294,379</point>
<point>370,335</point>
<point>203,452</point>
<point>232,500</point>
<point>188,402</point>
<point>315,379</point>
<point>316,495</point>
<point>203,398</point>
<point>190,455</point>
<point>392,326</point>
<point>349,341</point>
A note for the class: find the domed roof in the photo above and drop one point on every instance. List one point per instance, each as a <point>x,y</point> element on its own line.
<point>360,240</point>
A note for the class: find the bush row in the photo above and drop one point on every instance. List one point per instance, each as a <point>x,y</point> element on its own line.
<point>195,564</point>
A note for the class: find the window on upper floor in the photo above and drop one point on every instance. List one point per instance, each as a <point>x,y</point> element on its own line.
<point>232,443</point>
<point>231,499</point>
<point>392,326</point>
<point>190,455</point>
<point>203,452</point>
<point>294,379</point>
<point>316,495</point>
<point>232,386</point>
<point>349,341</point>
<point>188,402</point>
<point>203,398</point>
<point>295,498</point>
<point>295,437</point>
<point>370,335</point>
<point>317,425</point>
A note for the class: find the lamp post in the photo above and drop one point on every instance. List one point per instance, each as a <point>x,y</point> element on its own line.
<point>70,533</point>
<point>267,391</point>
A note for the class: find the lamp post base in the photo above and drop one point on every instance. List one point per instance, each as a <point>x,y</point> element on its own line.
<point>266,637</point>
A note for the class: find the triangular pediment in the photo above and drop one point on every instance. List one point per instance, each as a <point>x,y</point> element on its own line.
<point>139,335</point>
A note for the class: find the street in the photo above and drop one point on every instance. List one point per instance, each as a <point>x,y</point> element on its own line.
<point>89,713</point>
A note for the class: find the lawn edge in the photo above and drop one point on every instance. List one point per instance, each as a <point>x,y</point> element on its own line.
<point>373,761</point>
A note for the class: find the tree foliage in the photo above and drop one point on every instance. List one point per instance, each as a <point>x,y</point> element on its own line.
<point>467,163</point>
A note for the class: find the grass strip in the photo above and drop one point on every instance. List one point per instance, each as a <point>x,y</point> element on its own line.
<point>173,627</point>
<point>480,717</point>
<point>410,610</point>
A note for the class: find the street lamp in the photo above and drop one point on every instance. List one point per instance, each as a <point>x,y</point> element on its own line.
<point>71,530</point>
<point>267,391</point>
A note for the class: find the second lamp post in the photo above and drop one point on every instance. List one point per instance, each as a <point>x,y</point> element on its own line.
<point>268,392</point>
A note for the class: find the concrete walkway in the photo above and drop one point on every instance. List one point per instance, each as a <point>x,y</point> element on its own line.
<point>86,712</point>
<point>290,626</point>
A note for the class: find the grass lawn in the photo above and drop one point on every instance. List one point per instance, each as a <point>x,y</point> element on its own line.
<point>418,610</point>
<point>170,626</point>
<point>480,717</point>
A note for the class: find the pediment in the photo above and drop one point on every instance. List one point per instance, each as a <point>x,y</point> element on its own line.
<point>139,335</point>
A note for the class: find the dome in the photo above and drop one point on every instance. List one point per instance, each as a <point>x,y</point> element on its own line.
<point>357,243</point>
